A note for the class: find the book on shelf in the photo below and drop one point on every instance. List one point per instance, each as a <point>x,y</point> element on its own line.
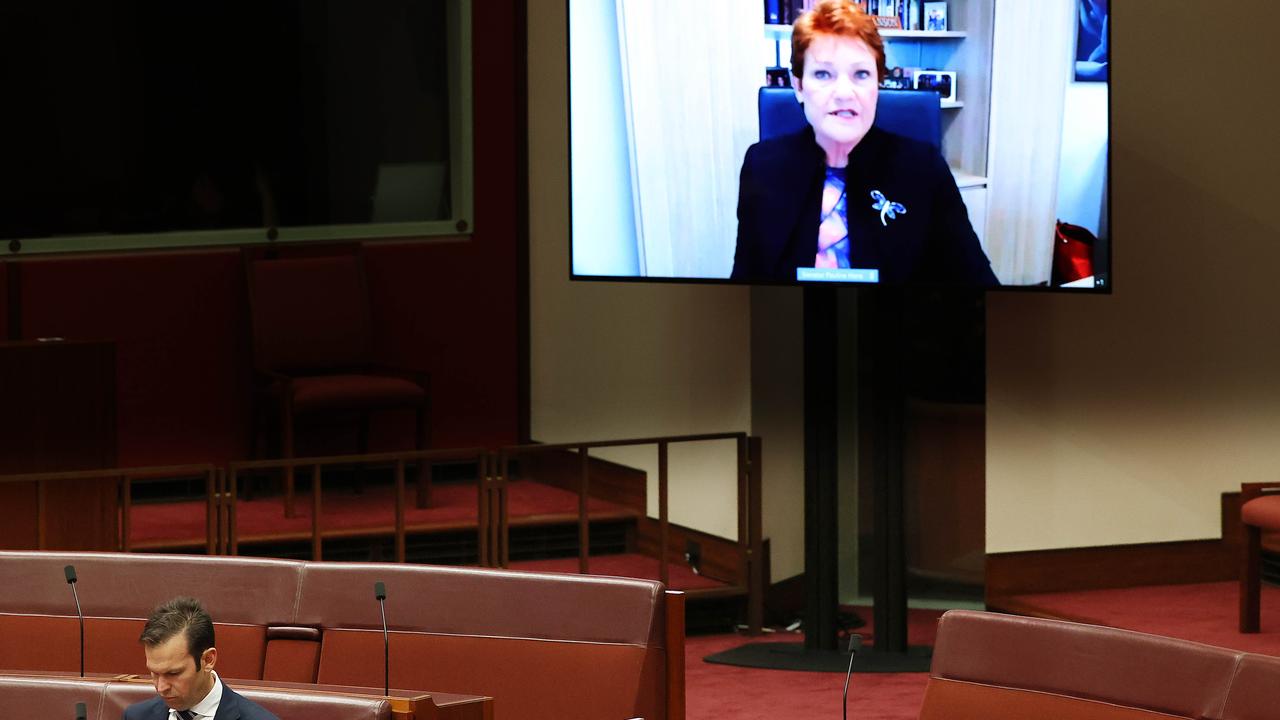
<point>897,14</point>
<point>785,12</point>
<point>883,8</point>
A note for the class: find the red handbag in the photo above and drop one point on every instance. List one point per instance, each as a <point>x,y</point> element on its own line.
<point>1072,253</point>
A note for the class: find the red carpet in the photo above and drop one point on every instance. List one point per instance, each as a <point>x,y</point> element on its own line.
<point>722,691</point>
<point>453,506</point>
<point>1206,612</point>
<point>714,692</point>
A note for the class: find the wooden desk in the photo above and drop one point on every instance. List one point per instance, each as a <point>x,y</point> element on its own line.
<point>58,413</point>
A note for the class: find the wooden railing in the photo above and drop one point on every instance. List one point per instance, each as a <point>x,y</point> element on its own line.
<point>230,536</point>
<point>124,479</point>
<point>750,539</point>
<point>493,470</point>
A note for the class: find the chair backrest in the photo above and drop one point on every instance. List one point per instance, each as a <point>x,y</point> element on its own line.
<point>1001,667</point>
<point>514,636</point>
<point>309,313</point>
<point>1255,691</point>
<point>49,697</point>
<point>106,699</point>
<point>39,630</point>
<point>916,114</point>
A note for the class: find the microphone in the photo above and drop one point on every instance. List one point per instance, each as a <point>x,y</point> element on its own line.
<point>380,594</point>
<point>855,644</point>
<point>70,572</point>
<point>81,712</point>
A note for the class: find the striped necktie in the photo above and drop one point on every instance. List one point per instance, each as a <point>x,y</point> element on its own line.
<point>185,714</point>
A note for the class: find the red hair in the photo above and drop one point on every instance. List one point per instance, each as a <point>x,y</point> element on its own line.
<point>838,18</point>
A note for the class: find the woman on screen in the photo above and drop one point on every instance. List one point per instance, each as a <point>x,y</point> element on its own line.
<point>848,200</point>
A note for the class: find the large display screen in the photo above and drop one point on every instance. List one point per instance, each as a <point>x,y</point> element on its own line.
<point>899,142</point>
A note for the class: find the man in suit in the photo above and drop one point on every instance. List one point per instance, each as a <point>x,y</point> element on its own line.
<point>178,642</point>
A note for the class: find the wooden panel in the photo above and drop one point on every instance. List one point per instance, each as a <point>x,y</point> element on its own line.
<point>626,486</point>
<point>1117,566</point>
<point>1192,561</point>
<point>8,300</point>
<point>58,414</point>
<point>721,559</point>
<point>945,479</point>
<point>610,481</point>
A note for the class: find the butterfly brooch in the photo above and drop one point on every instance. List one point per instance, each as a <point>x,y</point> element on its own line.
<point>888,209</point>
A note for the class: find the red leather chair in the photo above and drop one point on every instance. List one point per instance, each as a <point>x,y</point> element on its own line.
<point>988,666</point>
<point>311,349</point>
<point>1259,511</point>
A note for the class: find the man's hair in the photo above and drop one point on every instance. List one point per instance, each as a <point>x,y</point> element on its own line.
<point>840,18</point>
<point>180,616</point>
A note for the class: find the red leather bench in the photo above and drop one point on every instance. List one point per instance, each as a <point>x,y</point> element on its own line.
<point>1000,667</point>
<point>543,645</point>
<point>285,704</point>
<point>47,697</point>
<point>1255,691</point>
<point>118,591</point>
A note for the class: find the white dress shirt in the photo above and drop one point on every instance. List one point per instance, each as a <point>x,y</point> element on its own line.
<point>208,707</point>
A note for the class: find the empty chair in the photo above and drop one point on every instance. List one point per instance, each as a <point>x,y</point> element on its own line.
<point>312,352</point>
<point>1259,510</point>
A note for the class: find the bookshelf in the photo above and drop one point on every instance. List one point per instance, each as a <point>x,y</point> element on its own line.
<point>923,34</point>
<point>782,33</point>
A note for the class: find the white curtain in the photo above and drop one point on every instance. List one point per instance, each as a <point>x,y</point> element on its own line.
<point>690,75</point>
<point>1032,59</point>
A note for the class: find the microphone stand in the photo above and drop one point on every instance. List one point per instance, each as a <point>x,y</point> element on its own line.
<point>70,572</point>
<point>855,644</point>
<point>380,592</point>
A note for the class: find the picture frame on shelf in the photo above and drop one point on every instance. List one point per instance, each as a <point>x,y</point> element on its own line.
<point>941,81</point>
<point>898,79</point>
<point>777,77</point>
<point>935,16</point>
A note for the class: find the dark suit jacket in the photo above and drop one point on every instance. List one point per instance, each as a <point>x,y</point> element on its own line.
<point>780,203</point>
<point>233,706</point>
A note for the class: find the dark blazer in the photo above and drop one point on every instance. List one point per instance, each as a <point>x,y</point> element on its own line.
<point>233,706</point>
<point>780,202</point>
